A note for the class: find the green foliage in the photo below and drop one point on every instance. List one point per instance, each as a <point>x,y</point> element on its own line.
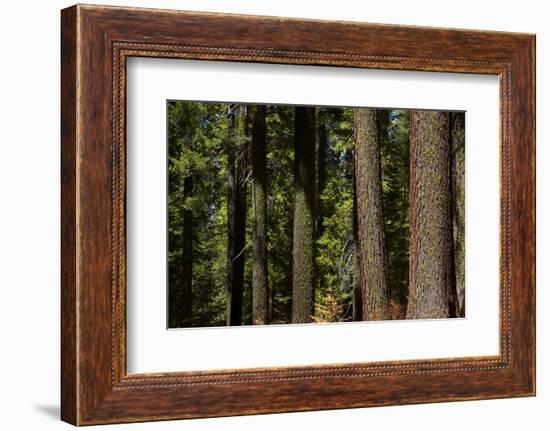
<point>395,175</point>
<point>280,189</point>
<point>335,252</point>
<point>198,135</point>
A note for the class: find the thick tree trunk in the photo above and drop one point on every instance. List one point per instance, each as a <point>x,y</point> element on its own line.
<point>370,216</point>
<point>260,298</point>
<point>187,258</point>
<point>430,273</point>
<point>457,175</point>
<point>236,217</point>
<point>303,241</point>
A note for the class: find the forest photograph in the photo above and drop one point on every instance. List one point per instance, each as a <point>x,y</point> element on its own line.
<point>283,214</point>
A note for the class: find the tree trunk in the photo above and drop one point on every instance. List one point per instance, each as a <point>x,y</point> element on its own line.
<point>303,241</point>
<point>430,272</point>
<point>187,261</point>
<point>260,298</point>
<point>236,217</point>
<point>457,175</point>
<point>373,266</point>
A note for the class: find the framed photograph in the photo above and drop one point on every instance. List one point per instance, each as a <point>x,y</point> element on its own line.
<point>265,214</point>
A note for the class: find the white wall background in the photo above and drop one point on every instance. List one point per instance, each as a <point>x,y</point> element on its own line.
<point>29,214</point>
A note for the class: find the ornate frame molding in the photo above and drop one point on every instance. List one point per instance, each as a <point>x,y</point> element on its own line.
<point>96,41</point>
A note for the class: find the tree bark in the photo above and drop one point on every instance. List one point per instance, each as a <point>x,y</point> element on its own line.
<point>236,217</point>
<point>430,272</point>
<point>373,268</point>
<point>260,297</point>
<point>187,258</point>
<point>457,175</point>
<point>303,241</point>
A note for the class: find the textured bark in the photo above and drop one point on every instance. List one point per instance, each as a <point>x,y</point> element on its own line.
<point>303,241</point>
<point>370,216</point>
<point>187,257</point>
<point>260,297</point>
<point>236,217</point>
<point>430,272</point>
<point>459,215</point>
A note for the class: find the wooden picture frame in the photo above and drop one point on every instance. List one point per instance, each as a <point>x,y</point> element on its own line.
<point>95,43</point>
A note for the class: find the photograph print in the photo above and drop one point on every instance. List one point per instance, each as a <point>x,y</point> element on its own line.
<point>281,214</point>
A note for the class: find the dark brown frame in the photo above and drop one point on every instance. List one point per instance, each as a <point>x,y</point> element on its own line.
<point>95,43</point>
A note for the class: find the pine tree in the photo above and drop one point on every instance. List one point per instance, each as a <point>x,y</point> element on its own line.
<point>457,174</point>
<point>236,216</point>
<point>260,297</point>
<point>431,278</point>
<point>187,261</point>
<point>373,269</point>
<point>303,242</point>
